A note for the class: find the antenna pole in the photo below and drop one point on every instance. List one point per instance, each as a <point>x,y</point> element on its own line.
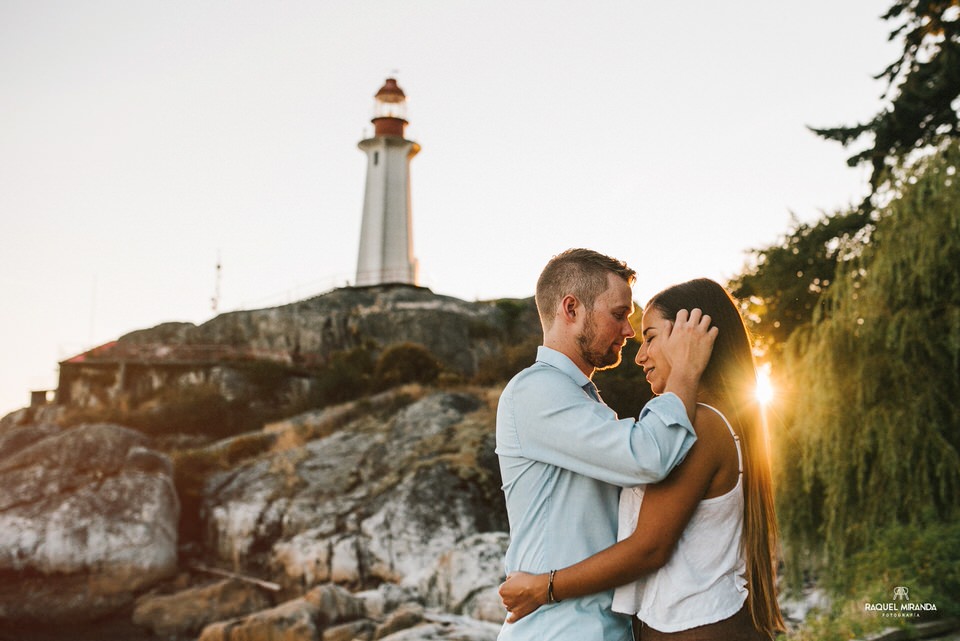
<point>215,301</point>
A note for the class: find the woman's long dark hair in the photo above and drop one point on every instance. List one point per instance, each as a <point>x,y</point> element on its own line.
<point>729,383</point>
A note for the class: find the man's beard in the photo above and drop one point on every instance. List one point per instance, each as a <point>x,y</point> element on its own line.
<point>598,359</point>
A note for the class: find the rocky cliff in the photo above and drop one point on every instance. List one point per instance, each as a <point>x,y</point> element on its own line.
<point>460,334</point>
<point>88,516</point>
<point>249,366</point>
<point>380,517</point>
<point>394,499</point>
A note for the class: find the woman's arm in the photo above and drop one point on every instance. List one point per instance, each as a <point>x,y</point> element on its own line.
<point>665,512</point>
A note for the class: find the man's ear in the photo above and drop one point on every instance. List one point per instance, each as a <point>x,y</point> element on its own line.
<point>569,308</point>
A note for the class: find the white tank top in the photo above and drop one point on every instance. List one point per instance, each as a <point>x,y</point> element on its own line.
<point>703,582</point>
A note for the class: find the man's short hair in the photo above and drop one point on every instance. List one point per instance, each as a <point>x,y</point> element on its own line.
<point>580,272</point>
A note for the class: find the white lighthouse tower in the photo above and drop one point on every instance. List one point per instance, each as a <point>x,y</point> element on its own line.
<point>386,233</point>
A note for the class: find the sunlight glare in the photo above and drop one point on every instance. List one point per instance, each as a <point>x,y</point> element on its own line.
<point>764,391</point>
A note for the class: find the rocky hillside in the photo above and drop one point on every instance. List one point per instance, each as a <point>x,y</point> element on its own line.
<point>242,369</point>
<point>128,511</point>
<point>380,518</point>
<point>460,334</point>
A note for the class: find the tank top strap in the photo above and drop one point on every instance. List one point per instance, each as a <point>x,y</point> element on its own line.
<point>736,439</point>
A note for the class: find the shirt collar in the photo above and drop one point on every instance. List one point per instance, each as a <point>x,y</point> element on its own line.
<point>563,363</point>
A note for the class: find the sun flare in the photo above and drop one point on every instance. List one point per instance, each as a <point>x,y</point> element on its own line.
<point>764,391</point>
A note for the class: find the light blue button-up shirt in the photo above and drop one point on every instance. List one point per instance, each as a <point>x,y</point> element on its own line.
<point>563,457</point>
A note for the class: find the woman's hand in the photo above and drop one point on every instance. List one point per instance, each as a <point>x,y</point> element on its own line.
<point>523,593</point>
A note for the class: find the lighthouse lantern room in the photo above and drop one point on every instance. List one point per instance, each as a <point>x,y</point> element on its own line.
<point>390,103</point>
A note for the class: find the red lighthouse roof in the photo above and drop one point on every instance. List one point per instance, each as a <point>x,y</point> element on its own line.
<point>389,110</point>
<point>391,92</point>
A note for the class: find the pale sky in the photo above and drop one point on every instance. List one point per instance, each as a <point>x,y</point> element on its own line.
<point>140,140</point>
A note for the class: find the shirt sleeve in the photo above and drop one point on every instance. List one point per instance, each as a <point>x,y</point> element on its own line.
<point>555,422</point>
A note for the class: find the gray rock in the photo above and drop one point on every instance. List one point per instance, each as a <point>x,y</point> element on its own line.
<point>406,616</point>
<point>334,604</point>
<point>440,627</point>
<point>377,501</point>
<point>303,619</point>
<point>386,598</point>
<point>88,517</point>
<point>457,332</point>
<point>49,414</point>
<point>425,515</point>
<point>15,437</point>
<point>355,631</point>
<point>291,621</point>
<point>484,604</point>
<point>187,612</point>
<point>226,353</point>
<point>462,578</point>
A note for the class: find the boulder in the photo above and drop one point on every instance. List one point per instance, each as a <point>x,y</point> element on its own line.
<point>303,619</point>
<point>15,437</point>
<point>465,579</point>
<point>48,414</point>
<point>88,517</point>
<point>485,605</point>
<point>187,612</point>
<point>386,598</point>
<point>443,627</point>
<point>406,616</point>
<point>379,500</point>
<point>354,631</point>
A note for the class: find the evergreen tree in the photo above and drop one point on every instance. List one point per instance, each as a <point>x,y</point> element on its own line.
<point>784,287</point>
<point>924,84</point>
<point>869,430</point>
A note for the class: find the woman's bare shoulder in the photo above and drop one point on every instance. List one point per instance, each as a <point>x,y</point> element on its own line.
<point>718,446</point>
<point>710,425</point>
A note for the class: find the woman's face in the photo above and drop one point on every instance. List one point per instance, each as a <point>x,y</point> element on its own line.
<point>655,366</point>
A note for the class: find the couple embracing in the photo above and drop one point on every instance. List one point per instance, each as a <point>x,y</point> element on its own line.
<point>667,518</point>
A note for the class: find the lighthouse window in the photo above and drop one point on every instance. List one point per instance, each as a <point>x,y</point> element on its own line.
<point>376,157</point>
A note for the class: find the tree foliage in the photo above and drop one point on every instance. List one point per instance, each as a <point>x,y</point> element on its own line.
<point>783,288</point>
<point>924,83</point>
<point>405,363</point>
<point>870,432</point>
<point>346,375</point>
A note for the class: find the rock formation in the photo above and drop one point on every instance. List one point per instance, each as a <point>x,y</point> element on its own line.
<point>380,499</point>
<point>377,518</point>
<point>394,497</point>
<point>187,612</point>
<point>88,516</point>
<point>273,356</point>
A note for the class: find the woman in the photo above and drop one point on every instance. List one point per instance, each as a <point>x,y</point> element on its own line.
<point>695,558</point>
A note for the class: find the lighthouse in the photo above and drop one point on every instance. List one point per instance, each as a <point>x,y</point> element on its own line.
<point>386,231</point>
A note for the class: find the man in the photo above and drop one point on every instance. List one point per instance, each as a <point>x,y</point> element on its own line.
<point>564,454</point>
